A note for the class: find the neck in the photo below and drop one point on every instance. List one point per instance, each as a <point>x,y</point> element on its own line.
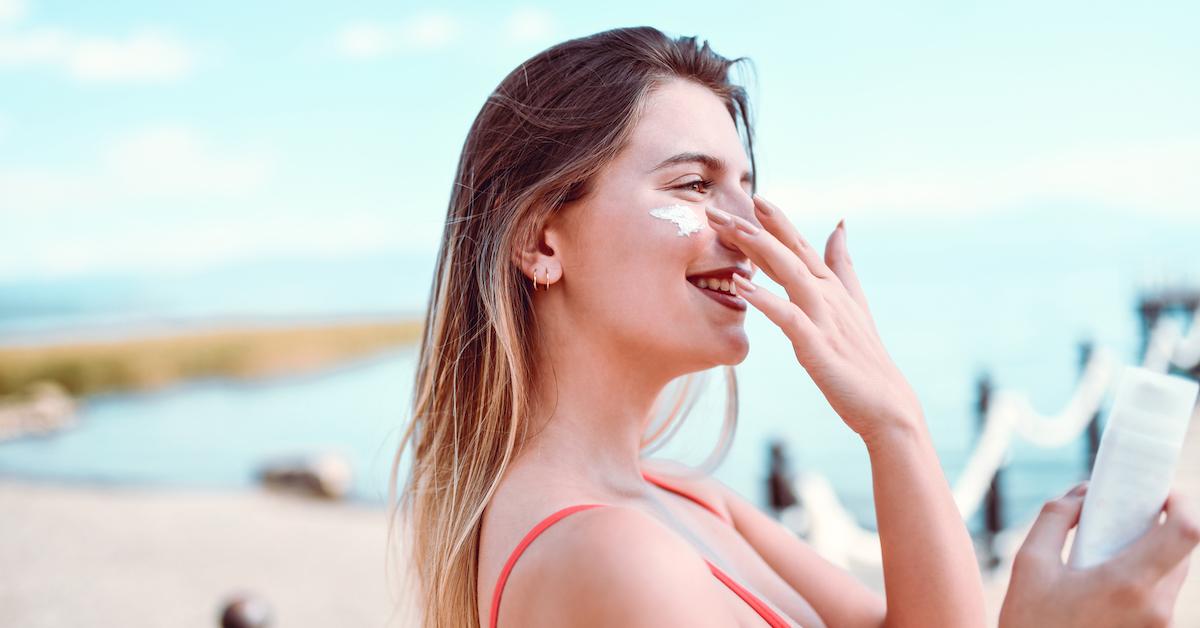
<point>593,401</point>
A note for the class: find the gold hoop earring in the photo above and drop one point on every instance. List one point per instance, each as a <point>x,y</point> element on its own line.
<point>545,281</point>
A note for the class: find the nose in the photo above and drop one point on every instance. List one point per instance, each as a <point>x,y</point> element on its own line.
<point>741,206</point>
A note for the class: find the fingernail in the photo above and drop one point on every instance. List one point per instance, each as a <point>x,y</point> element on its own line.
<point>761,206</point>
<point>718,216</point>
<point>743,283</point>
<point>842,224</point>
<point>745,226</point>
<point>1079,489</point>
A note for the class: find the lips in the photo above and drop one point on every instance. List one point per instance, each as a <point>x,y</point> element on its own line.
<point>724,274</point>
<point>728,300</point>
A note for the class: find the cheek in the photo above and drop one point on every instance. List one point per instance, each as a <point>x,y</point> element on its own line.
<point>679,231</point>
<point>643,260</point>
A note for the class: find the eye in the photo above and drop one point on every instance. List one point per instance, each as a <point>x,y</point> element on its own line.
<point>705,183</point>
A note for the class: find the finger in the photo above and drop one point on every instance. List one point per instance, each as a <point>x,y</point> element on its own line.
<point>774,221</point>
<point>1166,544</point>
<point>1049,532</point>
<point>772,257</point>
<point>837,257</point>
<point>787,315</point>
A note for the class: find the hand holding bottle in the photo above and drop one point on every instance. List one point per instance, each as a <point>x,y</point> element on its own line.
<point>1137,587</point>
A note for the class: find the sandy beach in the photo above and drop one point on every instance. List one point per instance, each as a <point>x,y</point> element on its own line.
<point>134,557</point>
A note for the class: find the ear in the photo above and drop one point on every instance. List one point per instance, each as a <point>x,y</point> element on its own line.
<point>542,254</point>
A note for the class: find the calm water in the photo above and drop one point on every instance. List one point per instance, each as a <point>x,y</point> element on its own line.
<point>1010,295</point>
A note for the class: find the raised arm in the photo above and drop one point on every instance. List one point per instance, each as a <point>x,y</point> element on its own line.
<point>930,571</point>
<point>929,564</point>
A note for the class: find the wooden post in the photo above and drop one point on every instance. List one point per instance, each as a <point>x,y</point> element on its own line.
<point>1149,309</point>
<point>993,502</point>
<point>1093,427</point>
<point>779,479</point>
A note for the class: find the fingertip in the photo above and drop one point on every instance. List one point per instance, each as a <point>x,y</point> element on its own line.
<point>1079,490</point>
<point>835,248</point>
<point>762,205</point>
<point>744,284</point>
<point>1182,516</point>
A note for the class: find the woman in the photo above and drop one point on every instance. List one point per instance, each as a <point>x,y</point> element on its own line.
<point>585,266</point>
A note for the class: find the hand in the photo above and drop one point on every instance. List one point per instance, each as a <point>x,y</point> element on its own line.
<point>825,316</point>
<point>1137,587</point>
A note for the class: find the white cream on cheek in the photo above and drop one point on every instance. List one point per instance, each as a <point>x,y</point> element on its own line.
<point>683,216</point>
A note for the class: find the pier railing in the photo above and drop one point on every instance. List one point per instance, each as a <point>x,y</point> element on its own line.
<point>1005,415</point>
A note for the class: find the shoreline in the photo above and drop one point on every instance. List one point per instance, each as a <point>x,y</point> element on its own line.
<point>133,327</point>
<point>149,360</point>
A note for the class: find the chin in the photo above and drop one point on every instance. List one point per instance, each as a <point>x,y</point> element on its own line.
<point>742,352</point>
<point>733,350</point>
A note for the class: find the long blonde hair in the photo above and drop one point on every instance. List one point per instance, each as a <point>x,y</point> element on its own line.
<point>535,146</point>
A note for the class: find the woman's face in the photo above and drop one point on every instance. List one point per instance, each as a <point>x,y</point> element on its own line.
<point>631,277</point>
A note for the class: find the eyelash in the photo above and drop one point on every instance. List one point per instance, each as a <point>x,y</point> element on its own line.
<point>704,182</point>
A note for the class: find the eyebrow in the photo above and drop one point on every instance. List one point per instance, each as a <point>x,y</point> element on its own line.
<point>708,161</point>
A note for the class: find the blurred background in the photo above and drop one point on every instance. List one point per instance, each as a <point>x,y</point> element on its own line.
<point>218,224</point>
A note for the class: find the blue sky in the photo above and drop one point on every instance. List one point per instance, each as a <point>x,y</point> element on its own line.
<point>172,136</point>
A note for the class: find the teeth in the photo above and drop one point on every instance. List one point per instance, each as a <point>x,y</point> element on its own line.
<point>720,285</point>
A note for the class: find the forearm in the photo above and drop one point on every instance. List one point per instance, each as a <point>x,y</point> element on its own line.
<point>931,577</point>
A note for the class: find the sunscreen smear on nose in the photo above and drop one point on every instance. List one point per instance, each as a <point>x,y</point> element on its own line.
<point>1135,463</point>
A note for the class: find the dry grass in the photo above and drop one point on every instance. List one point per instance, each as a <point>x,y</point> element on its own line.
<point>148,363</point>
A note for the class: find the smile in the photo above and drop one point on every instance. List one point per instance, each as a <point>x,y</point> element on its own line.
<point>722,290</point>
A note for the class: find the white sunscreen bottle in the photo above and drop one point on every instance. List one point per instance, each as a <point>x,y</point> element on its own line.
<point>1134,465</point>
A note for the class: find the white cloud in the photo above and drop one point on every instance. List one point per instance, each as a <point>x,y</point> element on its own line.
<point>145,56</point>
<point>160,162</point>
<point>422,32</point>
<point>364,40</point>
<point>436,30</point>
<point>1156,177</point>
<point>429,31</point>
<point>173,160</point>
<point>41,45</point>
<point>181,247</point>
<point>529,24</point>
<point>168,198</point>
<point>12,10</point>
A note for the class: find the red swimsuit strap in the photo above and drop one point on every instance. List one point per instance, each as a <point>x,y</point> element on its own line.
<point>554,518</point>
<point>682,493</point>
<point>761,608</point>
<point>764,611</point>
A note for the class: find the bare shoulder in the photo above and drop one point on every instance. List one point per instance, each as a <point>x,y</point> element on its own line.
<point>729,502</point>
<point>612,566</point>
<point>695,482</point>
